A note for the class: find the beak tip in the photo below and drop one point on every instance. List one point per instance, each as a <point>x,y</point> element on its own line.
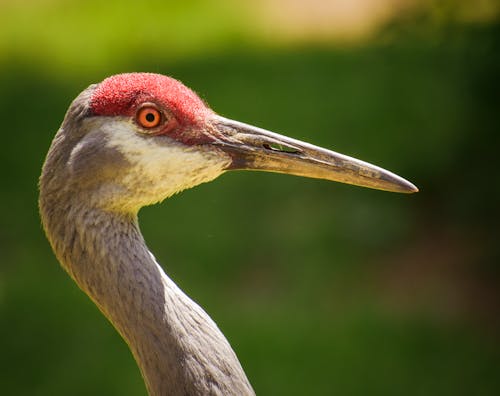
<point>410,188</point>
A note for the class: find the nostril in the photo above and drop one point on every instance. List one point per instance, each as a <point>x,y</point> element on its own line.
<point>280,148</point>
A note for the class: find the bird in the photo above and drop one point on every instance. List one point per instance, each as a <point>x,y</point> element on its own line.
<point>135,139</point>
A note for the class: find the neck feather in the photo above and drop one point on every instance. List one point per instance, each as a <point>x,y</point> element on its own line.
<point>179,349</point>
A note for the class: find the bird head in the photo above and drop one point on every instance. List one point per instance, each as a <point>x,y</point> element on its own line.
<point>136,139</point>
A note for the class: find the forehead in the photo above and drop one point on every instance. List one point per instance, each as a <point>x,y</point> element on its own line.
<point>120,95</point>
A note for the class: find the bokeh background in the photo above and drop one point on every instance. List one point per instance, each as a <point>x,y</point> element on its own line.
<point>321,288</point>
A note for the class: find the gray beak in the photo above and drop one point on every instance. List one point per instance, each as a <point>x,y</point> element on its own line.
<point>254,148</point>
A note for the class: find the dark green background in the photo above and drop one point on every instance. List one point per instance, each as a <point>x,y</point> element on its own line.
<point>321,288</point>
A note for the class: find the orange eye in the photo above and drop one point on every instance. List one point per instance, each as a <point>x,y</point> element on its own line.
<point>148,117</point>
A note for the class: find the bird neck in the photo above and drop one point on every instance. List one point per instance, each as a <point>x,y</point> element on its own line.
<point>179,349</point>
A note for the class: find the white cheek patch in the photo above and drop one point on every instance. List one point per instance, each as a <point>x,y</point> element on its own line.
<point>160,170</point>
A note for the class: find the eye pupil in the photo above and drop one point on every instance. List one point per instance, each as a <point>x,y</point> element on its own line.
<point>150,117</point>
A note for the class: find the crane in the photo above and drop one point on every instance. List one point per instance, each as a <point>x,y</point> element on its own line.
<point>134,140</point>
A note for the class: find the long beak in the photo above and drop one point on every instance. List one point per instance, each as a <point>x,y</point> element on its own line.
<point>254,148</point>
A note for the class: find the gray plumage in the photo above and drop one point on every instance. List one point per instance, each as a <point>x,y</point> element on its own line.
<point>178,348</point>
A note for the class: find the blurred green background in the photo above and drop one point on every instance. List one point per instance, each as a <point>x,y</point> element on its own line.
<point>321,288</point>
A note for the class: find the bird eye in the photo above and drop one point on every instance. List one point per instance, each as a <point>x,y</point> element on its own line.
<point>148,116</point>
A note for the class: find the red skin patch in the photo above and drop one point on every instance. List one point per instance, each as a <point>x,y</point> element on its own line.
<point>120,95</point>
